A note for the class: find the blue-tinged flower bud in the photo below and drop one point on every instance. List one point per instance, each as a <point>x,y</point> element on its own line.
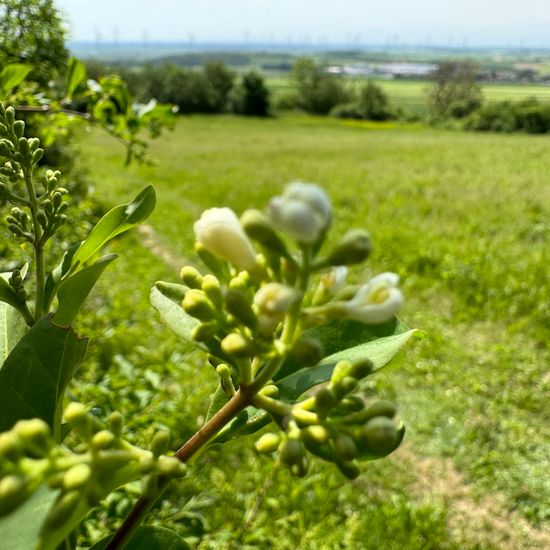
<point>303,211</point>
<point>354,247</point>
<point>220,231</point>
<point>377,301</point>
<point>268,443</point>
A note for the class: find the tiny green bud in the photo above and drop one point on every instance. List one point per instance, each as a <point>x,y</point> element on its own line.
<point>270,390</point>
<point>77,417</point>
<point>268,443</point>
<point>349,469</point>
<point>291,451</point>
<point>344,386</point>
<point>35,433</point>
<point>62,510</point>
<point>351,403</point>
<point>147,462</point>
<point>19,128</point>
<point>11,446</point>
<point>198,305</point>
<point>160,442</point>
<point>116,423</point>
<point>315,434</point>
<point>204,332</point>
<point>380,435</point>
<point>354,247</point>
<point>104,439</point>
<point>259,227</point>
<point>361,369</point>
<point>325,399</point>
<point>77,477</point>
<point>211,287</point>
<point>239,306</point>
<point>191,277</point>
<point>307,350</point>
<point>237,345</point>
<point>224,372</point>
<point>37,156</point>
<point>171,466</point>
<point>211,261</point>
<point>344,447</point>
<point>13,492</point>
<point>23,144</point>
<point>341,370</point>
<point>56,481</point>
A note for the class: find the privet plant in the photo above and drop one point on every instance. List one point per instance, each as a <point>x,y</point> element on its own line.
<point>291,340</point>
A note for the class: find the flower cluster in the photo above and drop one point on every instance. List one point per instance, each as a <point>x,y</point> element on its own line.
<point>255,310</point>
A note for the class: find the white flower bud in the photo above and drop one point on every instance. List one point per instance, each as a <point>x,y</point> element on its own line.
<point>303,211</point>
<point>377,301</point>
<point>273,300</point>
<point>220,232</point>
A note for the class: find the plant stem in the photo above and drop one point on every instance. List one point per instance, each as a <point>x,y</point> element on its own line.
<point>195,443</point>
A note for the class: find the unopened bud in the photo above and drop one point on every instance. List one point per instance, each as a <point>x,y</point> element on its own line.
<point>344,447</point>
<point>351,403</point>
<point>259,228</point>
<point>238,305</point>
<point>62,510</point>
<point>268,443</point>
<point>103,439</point>
<point>198,305</point>
<point>203,332</point>
<point>354,247</point>
<point>341,370</point>
<point>147,462</point>
<point>344,386</point>
<point>191,276</point>
<point>349,469</point>
<point>325,400</point>
<point>77,477</point>
<point>35,433</point>
<point>13,492</point>
<point>238,346</point>
<point>77,417</point>
<point>361,369</point>
<point>307,351</point>
<point>18,128</point>
<point>160,442</point>
<point>116,423</point>
<point>292,452</point>
<point>11,446</point>
<point>170,466</point>
<point>270,390</point>
<point>211,287</point>
<point>37,156</point>
<point>315,434</point>
<point>213,263</point>
<point>380,435</point>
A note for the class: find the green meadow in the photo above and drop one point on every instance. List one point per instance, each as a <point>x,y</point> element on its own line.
<point>463,218</point>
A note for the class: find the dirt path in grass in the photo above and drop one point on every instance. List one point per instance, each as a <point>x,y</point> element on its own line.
<point>151,240</point>
<point>477,520</point>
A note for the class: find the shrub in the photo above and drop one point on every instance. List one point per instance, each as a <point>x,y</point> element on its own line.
<point>251,97</point>
<point>373,103</point>
<point>346,110</point>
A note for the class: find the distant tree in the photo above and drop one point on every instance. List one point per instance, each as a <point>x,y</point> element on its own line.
<point>316,91</point>
<point>221,79</point>
<point>455,91</point>
<point>32,31</point>
<point>251,96</point>
<point>373,103</point>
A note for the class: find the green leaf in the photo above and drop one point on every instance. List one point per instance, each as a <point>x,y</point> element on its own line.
<point>380,351</point>
<point>12,329</point>
<point>116,221</point>
<point>22,527</point>
<point>8,296</point>
<point>171,312</point>
<point>35,375</point>
<point>76,74</point>
<point>148,537</point>
<point>74,290</point>
<point>55,277</point>
<point>13,74</point>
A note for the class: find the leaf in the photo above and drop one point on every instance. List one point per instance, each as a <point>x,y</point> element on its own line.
<point>73,291</point>
<point>35,375</point>
<point>148,537</point>
<point>8,296</point>
<point>116,221</point>
<point>12,329</point>
<point>54,278</point>
<point>13,74</point>
<point>171,312</point>
<point>76,74</point>
<point>380,351</point>
<point>22,527</point>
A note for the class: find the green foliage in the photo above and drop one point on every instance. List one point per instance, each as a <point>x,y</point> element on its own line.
<point>148,537</point>
<point>12,75</point>
<point>372,104</point>
<point>251,96</point>
<point>455,91</point>
<point>316,92</point>
<point>32,32</point>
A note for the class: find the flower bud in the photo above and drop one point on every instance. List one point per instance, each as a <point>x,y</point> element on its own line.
<point>13,492</point>
<point>171,466</point>
<point>303,211</point>
<point>77,477</point>
<point>268,443</point>
<point>344,386</point>
<point>62,510</point>
<point>291,452</point>
<point>76,416</point>
<point>238,305</point>
<point>35,434</point>
<point>147,462</point>
<point>361,369</point>
<point>258,227</point>
<point>307,350</point>
<point>315,434</point>
<point>116,422</point>
<point>351,403</point>
<point>11,446</point>
<point>377,301</point>
<point>270,390</point>
<point>354,247</point>
<point>273,300</point>
<point>341,370</point>
<point>238,346</point>
<point>211,287</point>
<point>191,277</point>
<point>344,447</point>
<point>104,439</point>
<point>380,435</point>
<point>198,305</point>
<point>173,291</point>
<point>203,332</point>
<point>325,400</point>
<point>211,261</point>
<point>329,284</point>
<point>160,442</point>
<point>349,469</point>
<point>220,231</point>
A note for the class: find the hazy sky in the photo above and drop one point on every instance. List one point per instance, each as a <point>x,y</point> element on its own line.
<point>446,22</point>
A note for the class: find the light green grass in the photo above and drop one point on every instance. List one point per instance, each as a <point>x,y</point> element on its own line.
<point>463,218</point>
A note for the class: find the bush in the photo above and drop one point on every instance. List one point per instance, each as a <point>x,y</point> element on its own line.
<point>316,91</point>
<point>372,104</point>
<point>346,110</point>
<point>251,97</point>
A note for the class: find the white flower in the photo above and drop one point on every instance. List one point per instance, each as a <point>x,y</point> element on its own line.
<point>273,300</point>
<point>303,211</point>
<point>220,231</point>
<point>377,301</point>
<point>334,280</point>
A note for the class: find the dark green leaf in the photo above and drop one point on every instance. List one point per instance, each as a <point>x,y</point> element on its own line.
<point>21,529</point>
<point>149,537</point>
<point>76,74</point>
<point>7,295</point>
<point>74,290</point>
<point>13,74</point>
<point>12,329</point>
<point>35,374</point>
<point>116,221</point>
<point>171,312</point>
<point>54,278</point>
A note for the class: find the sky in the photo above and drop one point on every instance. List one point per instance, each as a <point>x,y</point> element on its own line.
<point>508,23</point>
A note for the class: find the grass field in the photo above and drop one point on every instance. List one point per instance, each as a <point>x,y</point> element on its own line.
<point>464,219</point>
<point>410,95</point>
